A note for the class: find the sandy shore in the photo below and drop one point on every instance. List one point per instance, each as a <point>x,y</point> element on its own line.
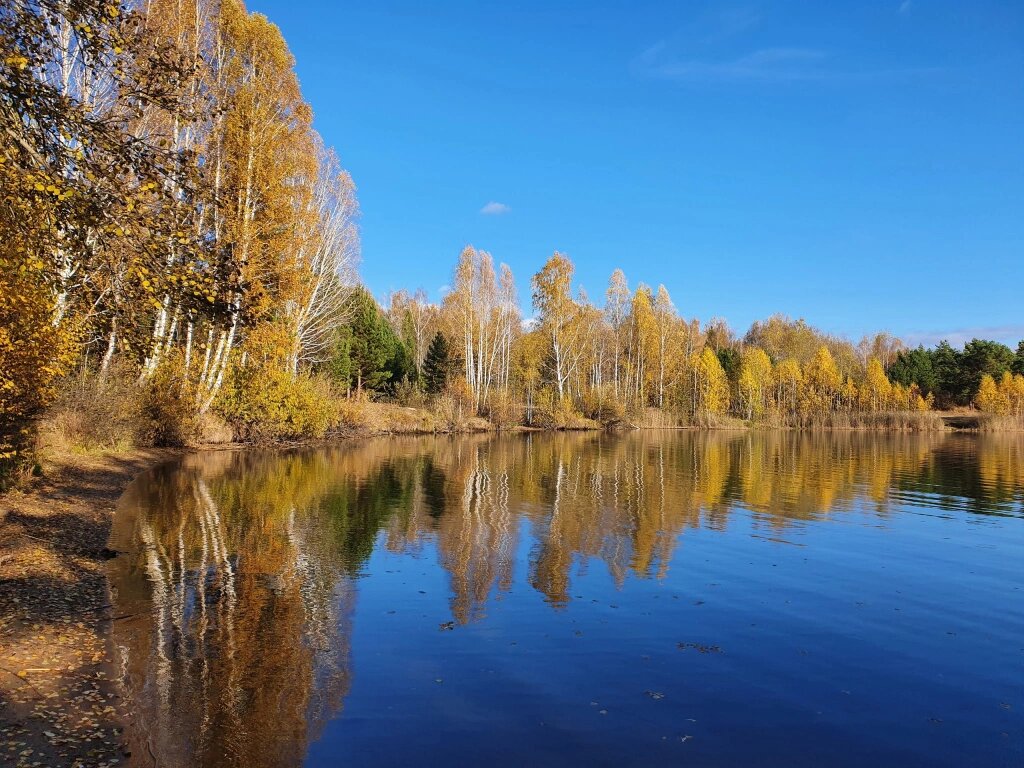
<point>59,701</point>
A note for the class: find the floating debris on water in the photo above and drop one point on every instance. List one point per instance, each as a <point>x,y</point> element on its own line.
<point>699,647</point>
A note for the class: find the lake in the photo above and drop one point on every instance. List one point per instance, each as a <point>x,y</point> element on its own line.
<point>692,598</point>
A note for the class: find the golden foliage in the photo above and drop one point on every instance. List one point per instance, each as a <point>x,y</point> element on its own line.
<point>991,398</point>
<point>34,351</point>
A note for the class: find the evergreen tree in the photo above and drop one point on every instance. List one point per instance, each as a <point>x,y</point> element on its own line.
<point>1017,366</point>
<point>946,364</point>
<point>730,360</point>
<point>915,366</point>
<point>367,353</point>
<point>400,364</point>
<point>981,357</point>
<point>437,365</point>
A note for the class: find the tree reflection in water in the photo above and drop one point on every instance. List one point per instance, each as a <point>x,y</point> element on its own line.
<point>238,586</point>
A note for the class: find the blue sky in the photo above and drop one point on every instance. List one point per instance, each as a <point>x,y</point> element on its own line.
<point>858,164</point>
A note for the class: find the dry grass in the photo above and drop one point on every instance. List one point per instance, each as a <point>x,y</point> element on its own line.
<point>988,422</point>
<point>886,421</point>
<point>94,414</point>
<point>369,418</point>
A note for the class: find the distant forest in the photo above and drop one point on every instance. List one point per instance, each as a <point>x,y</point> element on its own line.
<point>635,351</point>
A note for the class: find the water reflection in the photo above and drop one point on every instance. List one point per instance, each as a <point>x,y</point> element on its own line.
<point>237,593</point>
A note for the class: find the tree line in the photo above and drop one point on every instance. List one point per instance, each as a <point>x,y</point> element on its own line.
<point>986,373</point>
<point>633,351</point>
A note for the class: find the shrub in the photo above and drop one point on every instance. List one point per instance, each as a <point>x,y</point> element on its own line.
<point>448,409</point>
<point>265,403</point>
<point>169,409</point>
<point>116,412</point>
<point>94,412</point>
<point>602,405</point>
<point>408,395</point>
<point>502,410</point>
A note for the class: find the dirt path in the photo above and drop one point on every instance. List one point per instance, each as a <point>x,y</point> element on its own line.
<point>59,704</point>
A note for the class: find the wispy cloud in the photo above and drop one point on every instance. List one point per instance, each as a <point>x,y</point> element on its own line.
<point>905,6</point>
<point>767,64</point>
<point>1008,334</point>
<point>494,209</point>
<point>721,47</point>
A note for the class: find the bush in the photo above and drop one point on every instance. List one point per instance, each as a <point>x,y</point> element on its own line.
<point>169,409</point>
<point>502,410</point>
<point>408,395</point>
<point>265,403</point>
<point>602,405</point>
<point>115,412</point>
<point>448,409</point>
<point>93,412</point>
<point>561,414</point>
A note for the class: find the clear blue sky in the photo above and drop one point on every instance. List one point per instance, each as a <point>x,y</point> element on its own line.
<point>858,164</point>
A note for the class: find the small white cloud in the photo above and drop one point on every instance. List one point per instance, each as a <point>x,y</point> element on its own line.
<point>494,209</point>
<point>905,6</point>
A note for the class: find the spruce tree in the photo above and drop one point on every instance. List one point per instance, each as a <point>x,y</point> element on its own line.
<point>436,365</point>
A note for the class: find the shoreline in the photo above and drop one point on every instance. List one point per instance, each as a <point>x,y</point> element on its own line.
<point>62,703</point>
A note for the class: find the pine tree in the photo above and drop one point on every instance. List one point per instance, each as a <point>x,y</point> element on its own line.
<point>1017,366</point>
<point>436,365</point>
<point>377,357</point>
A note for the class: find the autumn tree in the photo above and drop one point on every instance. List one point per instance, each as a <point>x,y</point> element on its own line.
<point>643,344</point>
<point>482,313</point>
<point>561,318</point>
<point>617,310</point>
<point>413,316</point>
<point>74,181</point>
<point>711,387</point>
<point>664,320</point>
<point>1011,386</point>
<point>990,398</point>
<point>821,382</point>
<point>877,392</point>
<point>755,382</point>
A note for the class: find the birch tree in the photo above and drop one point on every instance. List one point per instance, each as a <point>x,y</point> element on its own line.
<point>617,309</point>
<point>664,318</point>
<point>560,317</point>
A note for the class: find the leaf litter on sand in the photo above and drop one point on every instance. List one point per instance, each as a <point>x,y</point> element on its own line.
<point>59,702</point>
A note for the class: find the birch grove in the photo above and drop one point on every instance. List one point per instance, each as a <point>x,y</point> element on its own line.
<point>169,204</point>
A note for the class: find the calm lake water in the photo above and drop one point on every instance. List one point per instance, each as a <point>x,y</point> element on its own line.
<point>701,599</point>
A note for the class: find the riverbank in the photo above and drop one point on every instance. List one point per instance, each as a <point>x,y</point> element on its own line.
<point>60,700</point>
